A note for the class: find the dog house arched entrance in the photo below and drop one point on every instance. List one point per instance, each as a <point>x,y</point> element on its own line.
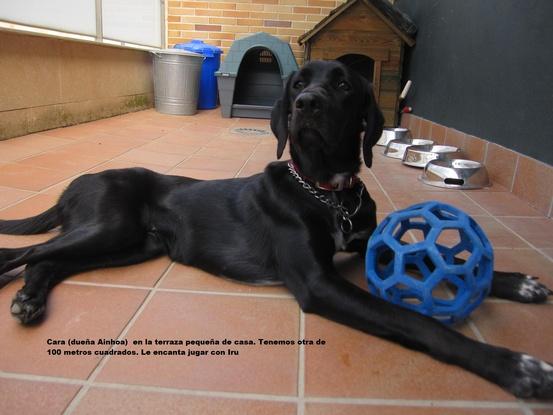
<point>258,81</point>
<point>360,63</point>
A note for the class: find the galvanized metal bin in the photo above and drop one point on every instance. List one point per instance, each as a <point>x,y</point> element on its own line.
<point>176,81</point>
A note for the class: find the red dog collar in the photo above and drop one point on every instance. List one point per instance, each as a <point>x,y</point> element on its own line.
<point>348,182</point>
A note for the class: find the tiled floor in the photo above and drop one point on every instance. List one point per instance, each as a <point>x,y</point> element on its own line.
<point>351,374</point>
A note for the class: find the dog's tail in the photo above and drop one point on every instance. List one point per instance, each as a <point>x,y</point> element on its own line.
<point>29,226</point>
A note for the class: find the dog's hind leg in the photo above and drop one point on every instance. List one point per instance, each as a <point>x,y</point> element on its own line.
<point>83,241</point>
<point>29,303</point>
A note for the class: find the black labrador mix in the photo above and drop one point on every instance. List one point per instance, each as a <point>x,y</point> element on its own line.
<point>281,226</point>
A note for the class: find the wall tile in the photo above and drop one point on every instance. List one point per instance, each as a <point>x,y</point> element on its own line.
<point>534,183</point>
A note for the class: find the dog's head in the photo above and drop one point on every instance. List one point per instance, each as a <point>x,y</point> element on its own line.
<point>324,109</point>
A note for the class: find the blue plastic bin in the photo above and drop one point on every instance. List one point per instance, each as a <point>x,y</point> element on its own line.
<point>208,81</point>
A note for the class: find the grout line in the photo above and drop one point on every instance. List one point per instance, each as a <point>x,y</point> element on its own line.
<point>514,175</point>
<point>86,387</point>
<point>524,408</point>
<point>249,158</point>
<point>421,403</point>
<point>503,301</point>
<point>284,398</point>
<point>418,403</point>
<point>41,378</point>
<point>484,160</point>
<point>301,368</point>
<point>497,219</point>
<point>545,254</point>
<point>550,214</point>
<point>476,331</point>
<point>182,290</point>
<point>232,294</point>
<point>194,392</point>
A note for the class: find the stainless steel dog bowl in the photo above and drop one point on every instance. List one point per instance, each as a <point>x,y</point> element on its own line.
<point>389,134</point>
<point>420,155</point>
<point>396,148</point>
<point>455,174</point>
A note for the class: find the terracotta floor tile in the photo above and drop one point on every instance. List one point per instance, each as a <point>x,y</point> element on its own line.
<point>537,231</point>
<point>127,164</point>
<point>113,401</point>
<point>383,204</point>
<point>116,140</point>
<point>234,142</point>
<point>40,141</point>
<point>75,132</point>
<point>29,207</point>
<point>74,311</point>
<point>252,122</point>
<point>522,327</point>
<point>400,183</point>
<point>18,241</point>
<point>183,137</point>
<point>499,235</point>
<point>503,204</point>
<point>171,148</point>
<point>9,195</point>
<point>102,148</point>
<point>258,369</point>
<point>145,274</point>
<point>37,398</point>
<point>205,130</point>
<point>202,174</point>
<point>29,177</point>
<point>548,252</point>
<point>526,261</point>
<point>64,161</point>
<point>251,168</point>
<point>10,151</point>
<point>189,278</point>
<point>353,364</point>
<point>403,200</point>
<point>225,153</point>
<point>209,163</point>
<point>142,132</point>
<point>494,187</point>
<point>152,157</point>
<point>339,409</point>
<point>369,181</point>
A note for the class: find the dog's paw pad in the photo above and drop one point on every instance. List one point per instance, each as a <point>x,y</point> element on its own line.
<point>534,378</point>
<point>530,290</point>
<point>26,310</point>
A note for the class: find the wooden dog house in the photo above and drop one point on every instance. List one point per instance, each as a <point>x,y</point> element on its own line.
<point>369,36</point>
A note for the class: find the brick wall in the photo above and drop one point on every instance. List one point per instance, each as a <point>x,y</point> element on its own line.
<point>219,22</point>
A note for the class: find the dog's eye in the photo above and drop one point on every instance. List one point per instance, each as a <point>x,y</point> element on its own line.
<point>299,85</point>
<point>344,85</point>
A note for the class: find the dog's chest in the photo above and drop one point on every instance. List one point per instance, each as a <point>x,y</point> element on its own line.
<point>341,239</point>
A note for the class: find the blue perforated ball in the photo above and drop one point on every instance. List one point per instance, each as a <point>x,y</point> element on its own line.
<point>423,275</point>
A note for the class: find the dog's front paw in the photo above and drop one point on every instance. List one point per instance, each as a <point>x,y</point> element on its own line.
<point>530,290</point>
<point>531,378</point>
<point>515,286</point>
<point>26,309</point>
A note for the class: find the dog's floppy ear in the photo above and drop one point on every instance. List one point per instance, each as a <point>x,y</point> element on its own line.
<point>373,122</point>
<point>279,118</point>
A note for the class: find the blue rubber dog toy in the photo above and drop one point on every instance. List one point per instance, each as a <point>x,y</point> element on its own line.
<point>446,291</point>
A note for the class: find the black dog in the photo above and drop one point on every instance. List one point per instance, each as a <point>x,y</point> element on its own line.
<point>281,226</point>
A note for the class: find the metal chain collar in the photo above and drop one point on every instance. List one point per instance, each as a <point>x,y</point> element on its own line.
<point>342,212</point>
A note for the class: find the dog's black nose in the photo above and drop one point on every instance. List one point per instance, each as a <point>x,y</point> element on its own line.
<point>308,103</point>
